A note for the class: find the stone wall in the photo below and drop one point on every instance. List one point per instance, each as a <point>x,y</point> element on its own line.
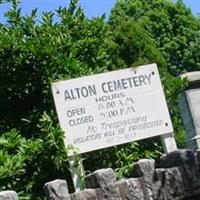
<point>178,178</point>
<point>8,195</point>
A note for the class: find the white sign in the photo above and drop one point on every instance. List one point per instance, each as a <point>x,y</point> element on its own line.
<point>112,108</point>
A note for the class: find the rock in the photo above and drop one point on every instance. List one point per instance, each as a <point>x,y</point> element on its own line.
<point>198,159</point>
<point>160,177</point>
<point>176,158</point>
<point>137,189</point>
<point>145,168</point>
<point>101,194</point>
<point>87,194</point>
<point>123,188</point>
<point>57,190</point>
<point>172,184</point>
<point>187,161</point>
<point>8,195</point>
<point>103,179</point>
<point>100,178</point>
<point>110,192</point>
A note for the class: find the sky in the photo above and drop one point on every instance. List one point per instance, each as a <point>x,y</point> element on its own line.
<point>92,8</point>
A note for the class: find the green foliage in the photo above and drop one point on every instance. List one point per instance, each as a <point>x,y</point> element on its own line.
<point>26,164</point>
<point>172,25</point>
<point>15,151</point>
<point>173,86</point>
<point>33,54</point>
<point>132,45</point>
<point>122,158</point>
<point>16,155</point>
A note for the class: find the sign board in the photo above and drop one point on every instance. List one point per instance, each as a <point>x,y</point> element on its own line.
<point>112,108</point>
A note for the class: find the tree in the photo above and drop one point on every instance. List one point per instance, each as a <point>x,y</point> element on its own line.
<point>132,45</point>
<point>172,26</point>
<point>33,54</point>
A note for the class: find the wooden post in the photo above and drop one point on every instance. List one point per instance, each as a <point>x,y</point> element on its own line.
<point>168,142</point>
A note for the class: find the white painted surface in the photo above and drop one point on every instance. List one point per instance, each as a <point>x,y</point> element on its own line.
<point>168,142</point>
<point>191,76</point>
<point>77,170</point>
<point>193,97</point>
<point>111,116</point>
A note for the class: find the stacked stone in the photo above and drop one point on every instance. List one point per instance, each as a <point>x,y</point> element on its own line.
<point>57,190</point>
<point>8,195</point>
<point>179,178</point>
